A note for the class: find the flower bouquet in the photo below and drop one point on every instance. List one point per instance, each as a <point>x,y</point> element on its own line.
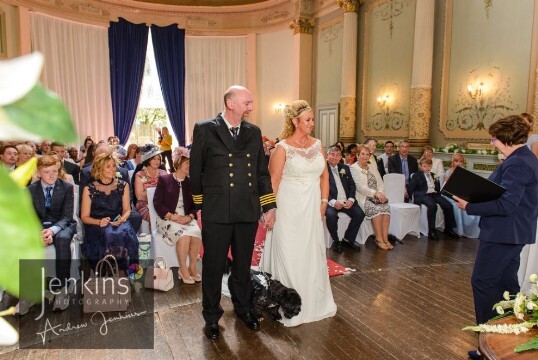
<point>524,306</point>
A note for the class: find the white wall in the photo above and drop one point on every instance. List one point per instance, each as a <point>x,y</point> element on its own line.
<point>329,64</point>
<point>274,75</point>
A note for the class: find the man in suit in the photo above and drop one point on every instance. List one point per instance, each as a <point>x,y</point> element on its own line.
<point>44,147</point>
<point>371,144</point>
<point>53,202</point>
<point>424,186</point>
<point>342,199</point>
<point>508,223</point>
<point>230,181</point>
<point>389,150</point>
<point>86,178</point>
<point>69,167</point>
<point>403,163</point>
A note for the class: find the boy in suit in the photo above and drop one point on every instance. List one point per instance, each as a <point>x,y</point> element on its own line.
<point>424,185</point>
<point>342,199</point>
<point>53,201</point>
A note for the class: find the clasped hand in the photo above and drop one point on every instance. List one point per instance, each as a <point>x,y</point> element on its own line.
<point>338,205</point>
<point>46,236</point>
<point>381,197</point>
<point>269,219</point>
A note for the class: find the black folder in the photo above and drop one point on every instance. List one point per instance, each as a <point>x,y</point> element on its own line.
<point>471,187</point>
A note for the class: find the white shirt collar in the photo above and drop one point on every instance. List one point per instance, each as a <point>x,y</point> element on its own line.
<point>229,125</point>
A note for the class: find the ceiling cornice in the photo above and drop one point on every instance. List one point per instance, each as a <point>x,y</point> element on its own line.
<point>238,19</point>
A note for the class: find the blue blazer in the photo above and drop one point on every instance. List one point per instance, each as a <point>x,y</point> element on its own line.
<point>347,182</point>
<point>418,186</point>
<point>511,219</point>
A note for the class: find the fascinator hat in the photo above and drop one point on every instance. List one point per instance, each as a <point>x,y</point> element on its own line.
<point>149,151</point>
<point>180,152</point>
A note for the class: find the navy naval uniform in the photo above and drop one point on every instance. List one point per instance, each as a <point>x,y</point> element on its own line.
<point>230,182</point>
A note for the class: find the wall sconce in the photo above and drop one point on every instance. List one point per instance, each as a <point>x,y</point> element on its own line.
<point>382,101</point>
<point>474,93</point>
<point>278,108</point>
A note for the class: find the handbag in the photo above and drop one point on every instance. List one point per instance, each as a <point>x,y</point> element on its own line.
<point>159,276</point>
<point>106,293</point>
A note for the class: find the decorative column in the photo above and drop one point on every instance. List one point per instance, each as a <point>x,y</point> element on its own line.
<point>421,82</point>
<point>302,58</point>
<point>348,89</point>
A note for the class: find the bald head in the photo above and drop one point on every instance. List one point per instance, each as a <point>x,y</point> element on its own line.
<point>238,104</point>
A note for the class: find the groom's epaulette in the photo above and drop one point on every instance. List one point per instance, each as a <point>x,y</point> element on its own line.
<point>267,199</point>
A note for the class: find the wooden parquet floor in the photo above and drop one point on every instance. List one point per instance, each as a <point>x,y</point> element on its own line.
<point>409,303</point>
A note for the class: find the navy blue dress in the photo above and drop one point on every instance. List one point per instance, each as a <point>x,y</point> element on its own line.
<point>120,241</point>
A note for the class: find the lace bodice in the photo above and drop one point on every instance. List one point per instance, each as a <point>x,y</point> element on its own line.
<point>303,163</point>
<point>104,205</point>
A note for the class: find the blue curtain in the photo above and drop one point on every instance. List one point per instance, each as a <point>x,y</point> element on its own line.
<point>127,45</point>
<point>169,47</point>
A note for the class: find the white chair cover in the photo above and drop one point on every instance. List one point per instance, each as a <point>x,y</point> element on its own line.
<point>404,217</point>
<point>466,225</point>
<point>160,248</point>
<point>528,264</point>
<point>365,230</point>
<point>439,219</point>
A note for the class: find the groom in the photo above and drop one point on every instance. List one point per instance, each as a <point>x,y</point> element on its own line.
<point>230,181</point>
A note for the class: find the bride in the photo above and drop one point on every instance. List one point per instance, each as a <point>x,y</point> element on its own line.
<point>295,250</point>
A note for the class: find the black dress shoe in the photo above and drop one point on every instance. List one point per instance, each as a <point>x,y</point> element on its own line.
<point>249,320</point>
<point>211,330</point>
<point>352,244</point>
<point>432,235</point>
<point>452,234</point>
<point>337,246</point>
<point>474,354</point>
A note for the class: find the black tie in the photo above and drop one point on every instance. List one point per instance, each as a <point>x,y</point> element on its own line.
<point>234,131</point>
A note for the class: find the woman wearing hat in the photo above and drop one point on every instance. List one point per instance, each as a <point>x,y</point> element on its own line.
<point>177,217</point>
<point>146,178</point>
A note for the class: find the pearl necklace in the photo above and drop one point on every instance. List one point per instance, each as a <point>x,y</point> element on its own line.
<point>303,144</point>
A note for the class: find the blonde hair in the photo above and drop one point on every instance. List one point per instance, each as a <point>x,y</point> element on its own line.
<point>23,147</point>
<point>291,112</point>
<point>99,164</point>
<point>454,158</point>
<point>61,171</point>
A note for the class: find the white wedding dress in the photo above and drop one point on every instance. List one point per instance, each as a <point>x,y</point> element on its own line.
<point>294,251</point>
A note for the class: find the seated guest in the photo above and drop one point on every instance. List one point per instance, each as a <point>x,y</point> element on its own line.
<point>73,155</point>
<point>389,150</point>
<point>32,145</point>
<point>44,147</point>
<point>403,163</point>
<point>131,159</point>
<point>25,153</point>
<point>147,178</point>
<point>114,142</point>
<point>342,199</point>
<point>61,173</point>
<point>371,144</point>
<point>53,203</point>
<point>173,202</point>
<point>342,148</point>
<point>457,160</point>
<point>84,148</point>
<point>371,198</point>
<point>106,207</point>
<point>86,178</point>
<point>87,157</point>
<point>437,164</point>
<point>144,149</point>
<point>351,154</point>
<point>8,157</point>
<point>425,188</point>
<point>69,167</point>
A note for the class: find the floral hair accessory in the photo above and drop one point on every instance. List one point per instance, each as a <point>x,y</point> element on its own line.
<point>180,152</point>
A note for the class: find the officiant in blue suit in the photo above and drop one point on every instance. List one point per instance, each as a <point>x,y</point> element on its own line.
<point>506,224</point>
<point>342,199</point>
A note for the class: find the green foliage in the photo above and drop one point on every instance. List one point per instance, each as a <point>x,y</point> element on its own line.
<point>531,345</point>
<point>42,112</point>
<point>151,116</point>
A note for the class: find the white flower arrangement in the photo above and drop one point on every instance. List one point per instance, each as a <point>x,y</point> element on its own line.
<point>524,307</point>
<point>455,148</point>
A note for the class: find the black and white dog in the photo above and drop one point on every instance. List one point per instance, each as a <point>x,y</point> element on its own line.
<point>269,296</point>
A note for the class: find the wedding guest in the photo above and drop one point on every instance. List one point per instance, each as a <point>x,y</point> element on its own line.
<point>426,189</point>
<point>53,204</point>
<point>342,148</point>
<point>25,153</point>
<point>351,154</point>
<point>457,160</point>
<point>177,216</point>
<point>532,142</point>
<point>389,150</point>
<point>371,197</point>
<point>105,210</point>
<point>69,167</point>
<point>437,164</point>
<point>32,145</point>
<point>84,147</point>
<point>342,199</point>
<point>166,146</point>
<point>88,157</point>
<point>295,251</point>
<point>147,178</point>
<point>507,223</point>
<point>403,163</point>
<point>44,147</point>
<point>8,157</point>
<point>371,144</point>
